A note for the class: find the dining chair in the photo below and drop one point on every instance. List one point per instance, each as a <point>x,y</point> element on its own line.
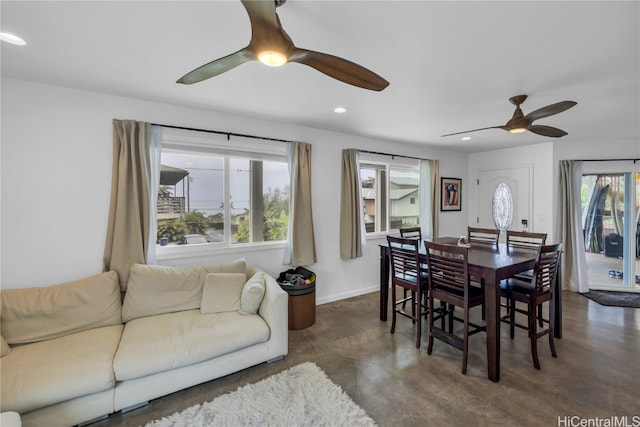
<point>449,282</point>
<point>525,240</point>
<point>488,236</point>
<point>407,273</point>
<point>534,294</point>
<point>416,233</point>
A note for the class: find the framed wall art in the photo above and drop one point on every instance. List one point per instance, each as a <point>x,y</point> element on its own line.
<point>450,194</point>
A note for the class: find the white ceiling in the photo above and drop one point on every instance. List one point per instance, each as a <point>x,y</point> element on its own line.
<point>451,65</point>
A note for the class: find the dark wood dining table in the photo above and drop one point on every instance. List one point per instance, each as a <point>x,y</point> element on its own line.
<point>492,265</point>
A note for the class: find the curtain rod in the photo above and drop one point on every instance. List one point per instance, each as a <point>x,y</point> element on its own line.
<point>391,155</point>
<point>229,134</point>
<point>607,160</point>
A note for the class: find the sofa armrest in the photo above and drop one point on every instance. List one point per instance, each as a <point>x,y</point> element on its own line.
<point>10,419</point>
<point>274,310</point>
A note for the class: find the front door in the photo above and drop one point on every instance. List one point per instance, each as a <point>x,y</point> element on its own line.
<point>518,182</point>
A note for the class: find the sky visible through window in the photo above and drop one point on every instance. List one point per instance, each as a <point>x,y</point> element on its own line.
<point>206,180</point>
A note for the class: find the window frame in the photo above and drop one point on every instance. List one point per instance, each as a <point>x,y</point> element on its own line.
<point>379,163</point>
<point>201,143</point>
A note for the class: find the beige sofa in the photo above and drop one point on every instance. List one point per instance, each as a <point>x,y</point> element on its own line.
<point>73,352</point>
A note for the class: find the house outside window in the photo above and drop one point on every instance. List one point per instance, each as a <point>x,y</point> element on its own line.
<point>221,193</point>
<point>390,195</point>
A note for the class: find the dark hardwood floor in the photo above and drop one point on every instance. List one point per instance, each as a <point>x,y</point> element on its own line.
<point>596,373</point>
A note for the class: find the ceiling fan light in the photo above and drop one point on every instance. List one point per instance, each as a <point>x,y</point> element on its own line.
<point>272,58</point>
<point>517,130</point>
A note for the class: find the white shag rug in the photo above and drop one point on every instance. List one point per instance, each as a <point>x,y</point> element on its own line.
<point>299,396</point>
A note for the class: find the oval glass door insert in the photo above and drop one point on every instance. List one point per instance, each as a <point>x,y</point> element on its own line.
<point>502,207</point>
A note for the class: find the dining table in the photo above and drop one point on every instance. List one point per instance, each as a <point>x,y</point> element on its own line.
<point>490,264</point>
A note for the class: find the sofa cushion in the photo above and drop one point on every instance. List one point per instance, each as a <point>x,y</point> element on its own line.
<point>155,344</point>
<point>221,292</point>
<point>158,289</point>
<point>252,294</point>
<point>5,349</point>
<point>36,314</point>
<point>48,372</point>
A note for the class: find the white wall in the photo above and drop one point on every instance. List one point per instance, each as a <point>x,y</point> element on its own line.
<point>56,178</point>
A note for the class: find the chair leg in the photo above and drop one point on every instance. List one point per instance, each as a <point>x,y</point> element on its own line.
<point>419,319</point>
<point>393,311</point>
<point>413,306</point>
<point>465,340</point>
<point>404,303</point>
<point>512,317</point>
<point>540,323</point>
<point>552,345</point>
<point>533,335</point>
<point>507,303</point>
<point>430,316</point>
<point>426,303</point>
<point>452,307</point>
<point>484,316</point>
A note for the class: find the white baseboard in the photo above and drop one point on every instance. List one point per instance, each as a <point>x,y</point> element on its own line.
<point>345,295</point>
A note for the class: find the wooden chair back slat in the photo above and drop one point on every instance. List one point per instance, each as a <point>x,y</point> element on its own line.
<point>525,240</point>
<point>487,236</point>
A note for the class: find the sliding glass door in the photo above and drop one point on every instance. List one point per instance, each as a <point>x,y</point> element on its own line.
<point>611,224</point>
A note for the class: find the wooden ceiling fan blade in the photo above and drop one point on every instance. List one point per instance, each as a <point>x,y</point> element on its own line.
<point>217,67</point>
<point>340,69</point>
<point>272,45</point>
<point>474,130</point>
<point>263,18</point>
<point>260,10</point>
<point>550,110</point>
<point>547,131</point>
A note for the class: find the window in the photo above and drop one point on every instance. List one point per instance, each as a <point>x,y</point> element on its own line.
<point>390,194</point>
<point>502,207</point>
<point>610,196</point>
<point>219,192</point>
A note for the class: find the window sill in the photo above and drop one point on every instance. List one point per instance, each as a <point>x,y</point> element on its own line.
<point>201,250</point>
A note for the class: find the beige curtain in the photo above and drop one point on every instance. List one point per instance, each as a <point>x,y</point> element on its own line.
<point>569,227</point>
<point>351,215</point>
<point>428,198</point>
<point>301,244</point>
<point>435,197</point>
<point>129,212</point>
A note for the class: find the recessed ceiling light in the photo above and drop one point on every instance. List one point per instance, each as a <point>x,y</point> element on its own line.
<point>12,38</point>
<point>339,110</point>
<point>466,138</point>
